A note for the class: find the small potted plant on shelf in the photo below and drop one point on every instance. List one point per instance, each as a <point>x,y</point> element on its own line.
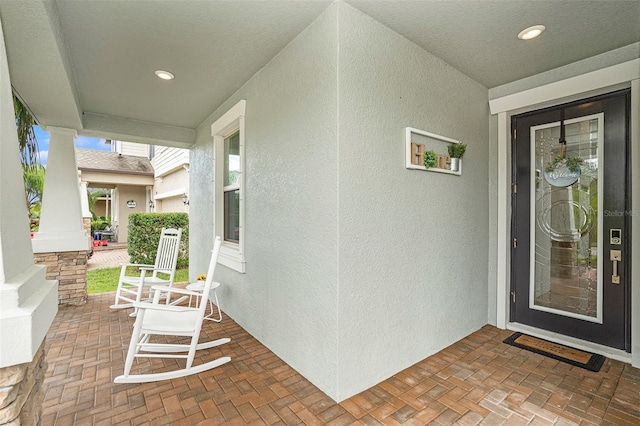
<point>456,152</point>
<point>430,159</point>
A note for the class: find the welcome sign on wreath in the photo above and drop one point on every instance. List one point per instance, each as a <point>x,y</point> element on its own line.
<point>563,172</point>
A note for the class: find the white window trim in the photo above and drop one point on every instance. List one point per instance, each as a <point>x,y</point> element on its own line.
<point>231,254</point>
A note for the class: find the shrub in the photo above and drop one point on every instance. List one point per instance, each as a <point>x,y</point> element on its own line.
<point>144,234</point>
<point>100,223</point>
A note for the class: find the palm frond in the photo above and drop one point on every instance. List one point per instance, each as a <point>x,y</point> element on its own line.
<point>29,152</point>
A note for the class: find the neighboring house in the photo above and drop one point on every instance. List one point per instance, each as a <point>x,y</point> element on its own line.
<point>171,174</point>
<point>124,174</point>
<point>127,178</point>
<point>171,184</point>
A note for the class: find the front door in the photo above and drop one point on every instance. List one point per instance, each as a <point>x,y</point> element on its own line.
<point>571,222</point>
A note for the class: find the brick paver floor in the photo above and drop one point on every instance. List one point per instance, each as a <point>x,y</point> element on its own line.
<point>108,257</point>
<point>478,380</point>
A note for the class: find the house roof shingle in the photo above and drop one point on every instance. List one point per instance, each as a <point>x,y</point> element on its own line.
<point>112,162</point>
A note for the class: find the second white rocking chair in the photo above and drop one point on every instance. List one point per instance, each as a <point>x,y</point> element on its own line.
<point>155,319</point>
<point>130,288</point>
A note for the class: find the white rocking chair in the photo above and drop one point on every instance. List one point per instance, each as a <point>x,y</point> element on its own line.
<point>130,288</point>
<point>168,320</point>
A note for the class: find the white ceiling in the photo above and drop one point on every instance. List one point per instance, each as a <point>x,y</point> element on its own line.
<point>89,64</point>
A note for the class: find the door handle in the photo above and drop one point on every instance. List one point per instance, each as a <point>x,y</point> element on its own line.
<point>616,256</point>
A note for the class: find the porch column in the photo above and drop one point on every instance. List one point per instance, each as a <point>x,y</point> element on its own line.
<point>28,302</point>
<point>62,243</point>
<point>86,213</point>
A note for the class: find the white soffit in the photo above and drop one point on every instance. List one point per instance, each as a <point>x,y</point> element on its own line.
<point>212,48</point>
<point>89,65</point>
<point>480,39</point>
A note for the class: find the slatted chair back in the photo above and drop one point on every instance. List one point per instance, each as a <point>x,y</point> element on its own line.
<point>168,250</point>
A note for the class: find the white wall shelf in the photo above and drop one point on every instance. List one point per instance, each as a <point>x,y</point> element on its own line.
<point>417,142</point>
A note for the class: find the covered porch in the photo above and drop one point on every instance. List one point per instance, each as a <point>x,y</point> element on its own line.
<point>349,267</point>
<point>477,380</point>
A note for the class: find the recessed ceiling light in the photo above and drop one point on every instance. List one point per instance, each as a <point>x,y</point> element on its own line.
<point>531,32</point>
<point>165,75</point>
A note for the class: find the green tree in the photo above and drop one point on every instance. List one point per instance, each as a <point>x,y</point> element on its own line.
<point>92,196</point>
<point>33,177</point>
<point>29,153</point>
<point>32,170</point>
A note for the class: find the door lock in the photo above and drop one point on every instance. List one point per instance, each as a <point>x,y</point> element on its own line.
<point>616,256</point>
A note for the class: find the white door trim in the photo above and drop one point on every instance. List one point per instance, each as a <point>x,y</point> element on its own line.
<point>583,86</point>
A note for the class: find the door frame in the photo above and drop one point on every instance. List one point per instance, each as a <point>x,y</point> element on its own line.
<point>594,83</point>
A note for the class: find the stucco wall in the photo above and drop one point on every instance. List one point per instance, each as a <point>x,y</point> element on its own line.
<point>174,181</point>
<point>171,204</point>
<point>412,244</point>
<point>170,189</point>
<point>100,208</point>
<point>288,297</point>
<point>356,267</point>
<point>126,193</point>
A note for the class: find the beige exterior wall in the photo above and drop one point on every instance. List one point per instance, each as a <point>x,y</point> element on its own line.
<point>168,191</point>
<point>127,193</point>
<point>171,166</point>
<point>108,180</point>
<point>172,204</point>
<point>177,180</point>
<point>100,209</point>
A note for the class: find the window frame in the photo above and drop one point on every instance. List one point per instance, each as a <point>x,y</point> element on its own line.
<point>231,254</point>
<point>231,188</point>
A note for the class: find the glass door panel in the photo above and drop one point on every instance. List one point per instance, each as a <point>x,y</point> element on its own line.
<point>566,182</point>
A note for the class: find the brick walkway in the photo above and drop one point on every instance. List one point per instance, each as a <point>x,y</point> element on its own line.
<point>110,256</point>
<point>478,380</point>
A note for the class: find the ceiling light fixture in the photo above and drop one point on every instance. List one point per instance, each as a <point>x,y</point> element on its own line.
<point>531,32</point>
<point>165,75</point>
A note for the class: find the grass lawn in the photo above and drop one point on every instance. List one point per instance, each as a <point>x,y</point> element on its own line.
<point>104,280</point>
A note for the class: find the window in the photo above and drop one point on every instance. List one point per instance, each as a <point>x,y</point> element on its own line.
<point>232,188</point>
<point>228,143</point>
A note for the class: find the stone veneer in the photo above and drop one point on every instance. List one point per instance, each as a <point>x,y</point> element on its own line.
<point>21,391</point>
<point>70,269</point>
<point>86,225</point>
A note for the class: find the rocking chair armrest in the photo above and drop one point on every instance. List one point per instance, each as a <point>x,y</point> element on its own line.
<point>139,265</point>
<point>176,290</point>
<point>153,268</point>
<point>157,307</point>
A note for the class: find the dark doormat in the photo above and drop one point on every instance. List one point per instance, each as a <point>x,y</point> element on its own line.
<point>586,360</point>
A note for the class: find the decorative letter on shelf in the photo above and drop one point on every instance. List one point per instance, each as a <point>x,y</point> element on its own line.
<point>419,142</point>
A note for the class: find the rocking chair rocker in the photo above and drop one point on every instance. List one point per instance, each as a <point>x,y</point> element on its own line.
<point>168,320</point>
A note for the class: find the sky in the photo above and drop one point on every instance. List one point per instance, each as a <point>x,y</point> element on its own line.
<point>81,142</point>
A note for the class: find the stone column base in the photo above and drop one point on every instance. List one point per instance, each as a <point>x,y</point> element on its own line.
<point>21,391</point>
<point>86,225</point>
<point>70,269</point>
